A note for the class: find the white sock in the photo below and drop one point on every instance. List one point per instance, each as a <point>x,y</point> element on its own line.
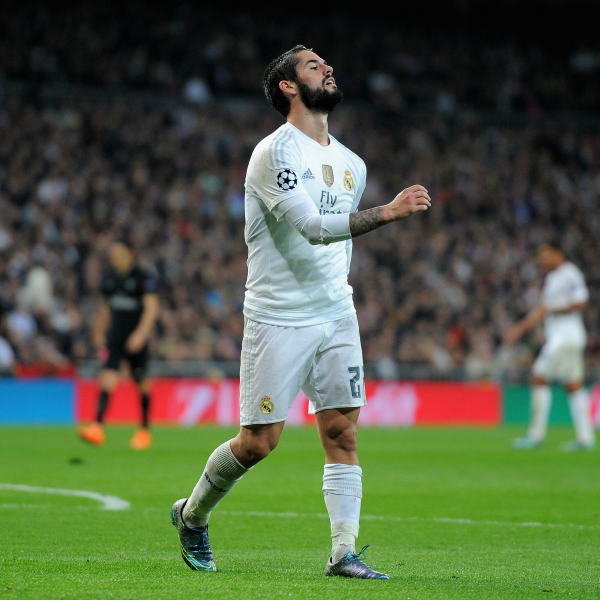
<point>579,403</point>
<point>342,489</point>
<point>220,475</point>
<point>541,401</point>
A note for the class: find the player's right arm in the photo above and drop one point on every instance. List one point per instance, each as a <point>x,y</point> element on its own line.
<point>268,178</point>
<point>100,326</point>
<point>529,322</point>
<point>139,337</point>
<point>576,300</point>
<point>534,318</point>
<point>273,176</point>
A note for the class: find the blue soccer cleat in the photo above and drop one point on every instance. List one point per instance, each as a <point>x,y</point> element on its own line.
<point>526,442</point>
<point>351,565</point>
<point>195,546</point>
<point>576,446</point>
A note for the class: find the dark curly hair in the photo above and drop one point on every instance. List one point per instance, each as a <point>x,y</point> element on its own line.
<point>283,68</point>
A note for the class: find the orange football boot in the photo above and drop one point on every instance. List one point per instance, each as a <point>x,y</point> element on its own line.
<point>142,440</point>
<point>92,433</point>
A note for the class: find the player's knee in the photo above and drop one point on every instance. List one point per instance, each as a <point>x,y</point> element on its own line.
<point>343,438</point>
<point>347,441</point>
<point>257,447</point>
<point>108,380</point>
<point>142,382</point>
<point>260,449</point>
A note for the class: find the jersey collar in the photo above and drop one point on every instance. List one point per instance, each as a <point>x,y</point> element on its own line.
<point>310,140</point>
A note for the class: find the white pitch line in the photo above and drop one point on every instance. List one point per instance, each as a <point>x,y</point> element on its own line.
<point>295,515</point>
<point>20,506</point>
<point>108,502</point>
<point>116,503</point>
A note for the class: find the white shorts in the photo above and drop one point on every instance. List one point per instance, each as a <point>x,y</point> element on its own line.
<point>325,361</point>
<point>559,362</point>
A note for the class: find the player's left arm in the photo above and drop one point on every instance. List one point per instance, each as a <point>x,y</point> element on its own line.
<point>408,202</point>
<point>138,338</point>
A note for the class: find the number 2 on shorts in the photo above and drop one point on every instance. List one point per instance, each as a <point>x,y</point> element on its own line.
<point>355,382</point>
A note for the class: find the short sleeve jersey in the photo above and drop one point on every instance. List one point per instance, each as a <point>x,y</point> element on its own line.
<point>290,281</point>
<point>124,294</point>
<point>563,287</point>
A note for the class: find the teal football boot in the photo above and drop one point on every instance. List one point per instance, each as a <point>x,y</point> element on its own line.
<point>351,565</point>
<point>526,442</point>
<point>195,546</point>
<point>576,446</point>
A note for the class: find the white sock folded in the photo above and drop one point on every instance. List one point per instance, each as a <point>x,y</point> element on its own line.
<point>220,475</point>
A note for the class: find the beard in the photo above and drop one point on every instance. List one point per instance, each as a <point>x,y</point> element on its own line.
<point>319,100</point>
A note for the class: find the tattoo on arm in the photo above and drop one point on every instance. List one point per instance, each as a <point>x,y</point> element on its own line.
<point>366,220</point>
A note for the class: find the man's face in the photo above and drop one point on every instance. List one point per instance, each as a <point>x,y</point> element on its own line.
<point>121,257</point>
<point>316,85</point>
<point>549,258</point>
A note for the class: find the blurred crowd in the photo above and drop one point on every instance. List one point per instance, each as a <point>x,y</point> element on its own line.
<point>437,290</point>
<point>197,50</point>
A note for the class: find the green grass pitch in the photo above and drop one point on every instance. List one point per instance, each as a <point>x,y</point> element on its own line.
<point>450,513</point>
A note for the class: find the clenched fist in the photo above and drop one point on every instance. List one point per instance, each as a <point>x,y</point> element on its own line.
<point>408,202</point>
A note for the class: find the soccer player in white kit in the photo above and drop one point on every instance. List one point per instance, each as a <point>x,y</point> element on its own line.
<point>302,192</point>
<point>564,296</point>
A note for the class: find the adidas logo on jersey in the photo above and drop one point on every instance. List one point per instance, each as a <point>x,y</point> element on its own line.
<point>308,175</point>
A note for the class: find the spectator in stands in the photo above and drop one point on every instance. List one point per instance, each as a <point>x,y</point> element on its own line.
<point>77,168</point>
<point>7,357</point>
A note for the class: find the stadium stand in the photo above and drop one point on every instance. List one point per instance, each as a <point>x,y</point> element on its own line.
<point>146,124</point>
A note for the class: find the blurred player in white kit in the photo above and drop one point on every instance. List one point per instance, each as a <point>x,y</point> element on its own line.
<point>302,192</point>
<point>564,297</point>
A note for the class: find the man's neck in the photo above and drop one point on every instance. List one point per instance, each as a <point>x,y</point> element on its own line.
<point>314,125</point>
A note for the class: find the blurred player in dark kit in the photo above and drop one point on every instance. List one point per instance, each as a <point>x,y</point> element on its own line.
<point>120,332</point>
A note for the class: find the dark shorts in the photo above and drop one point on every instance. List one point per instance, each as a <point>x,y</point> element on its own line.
<point>138,361</point>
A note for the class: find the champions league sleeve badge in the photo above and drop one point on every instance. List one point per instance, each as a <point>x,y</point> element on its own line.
<point>287,180</point>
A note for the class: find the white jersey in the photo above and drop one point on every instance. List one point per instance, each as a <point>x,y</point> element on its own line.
<point>563,287</point>
<point>291,282</point>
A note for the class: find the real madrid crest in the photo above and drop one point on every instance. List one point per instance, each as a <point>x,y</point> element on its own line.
<point>348,181</point>
<point>266,406</point>
<point>328,175</point>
